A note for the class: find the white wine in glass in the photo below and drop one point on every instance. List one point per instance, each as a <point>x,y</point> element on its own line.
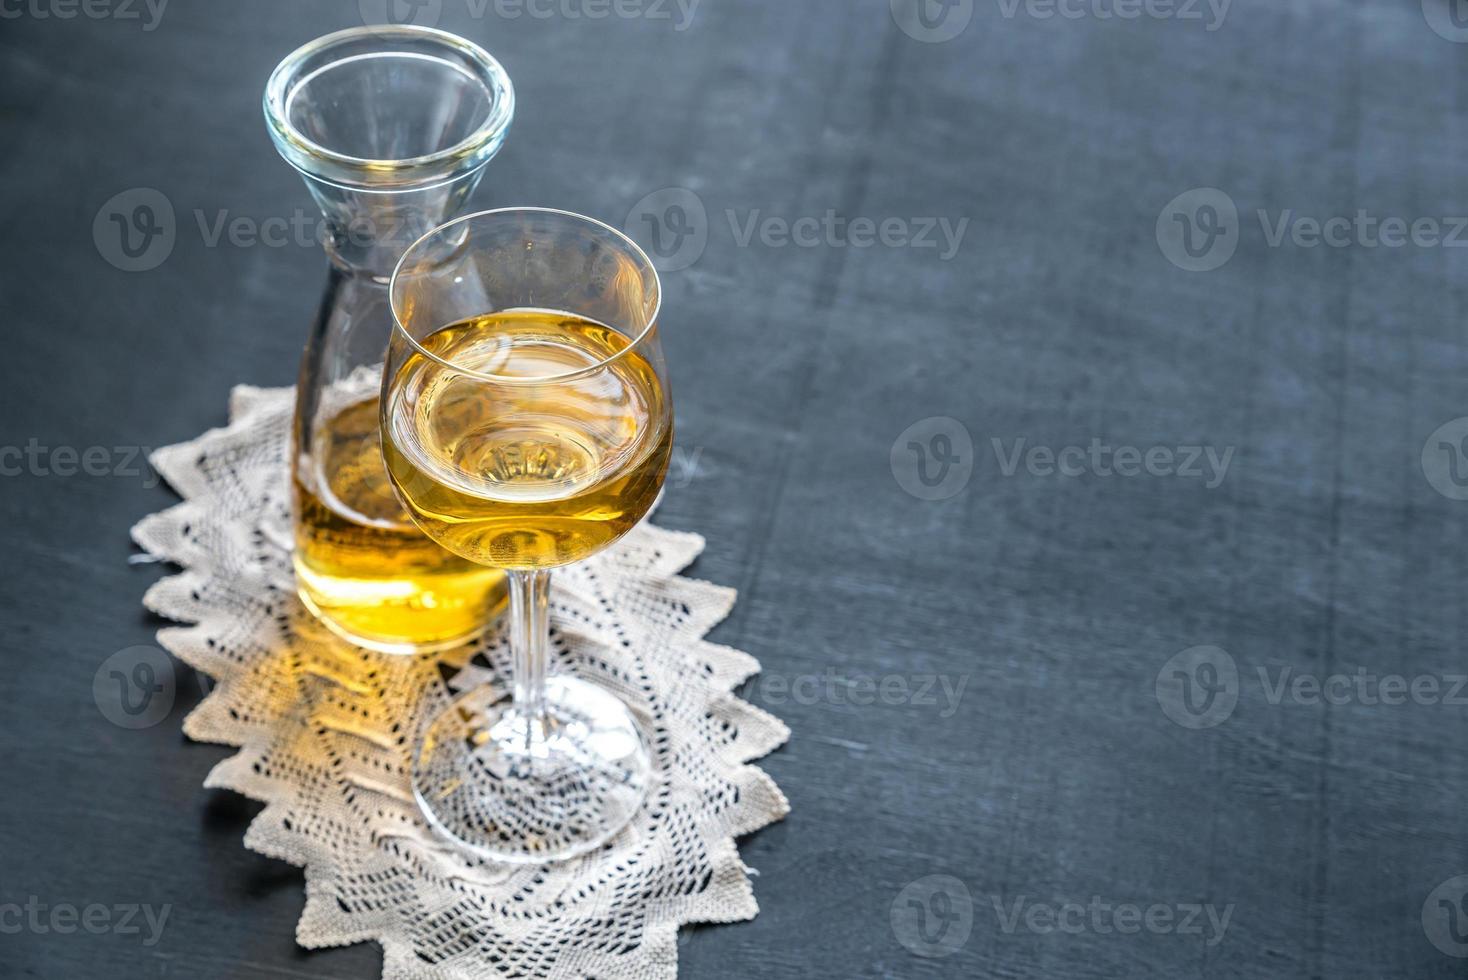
<point>526,425</point>
<point>533,476</point>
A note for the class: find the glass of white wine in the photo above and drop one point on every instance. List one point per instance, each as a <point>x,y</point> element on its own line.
<point>526,425</point>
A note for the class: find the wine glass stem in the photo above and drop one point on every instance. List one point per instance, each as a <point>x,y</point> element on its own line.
<point>529,646</point>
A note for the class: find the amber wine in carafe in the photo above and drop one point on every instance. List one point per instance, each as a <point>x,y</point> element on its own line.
<point>362,566</point>
<point>544,468</point>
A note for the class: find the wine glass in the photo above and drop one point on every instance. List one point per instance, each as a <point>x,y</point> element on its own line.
<point>526,425</point>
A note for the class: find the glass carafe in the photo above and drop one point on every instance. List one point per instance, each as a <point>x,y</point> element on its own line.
<point>391,127</point>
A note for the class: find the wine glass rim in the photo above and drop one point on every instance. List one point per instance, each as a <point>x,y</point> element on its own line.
<point>332,166</point>
<point>503,379</point>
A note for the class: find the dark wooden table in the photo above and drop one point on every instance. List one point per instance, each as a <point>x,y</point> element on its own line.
<point>1006,748</point>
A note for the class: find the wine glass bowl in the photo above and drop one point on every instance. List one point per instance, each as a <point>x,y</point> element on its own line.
<point>526,425</point>
<point>526,473</point>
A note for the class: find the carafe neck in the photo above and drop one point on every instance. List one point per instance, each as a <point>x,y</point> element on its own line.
<point>368,230</point>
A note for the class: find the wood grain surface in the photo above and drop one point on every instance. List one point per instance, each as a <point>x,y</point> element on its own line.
<point>994,756</point>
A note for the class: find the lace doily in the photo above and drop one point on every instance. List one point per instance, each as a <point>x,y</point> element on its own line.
<point>325,730</point>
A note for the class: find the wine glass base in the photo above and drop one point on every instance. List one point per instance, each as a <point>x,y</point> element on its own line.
<point>490,785</point>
